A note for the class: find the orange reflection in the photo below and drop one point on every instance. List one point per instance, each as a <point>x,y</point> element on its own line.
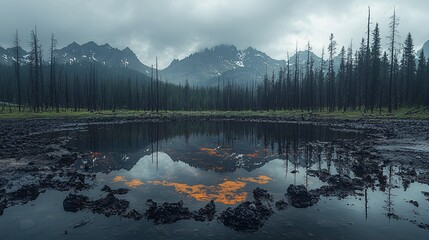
<point>134,183</point>
<point>226,192</point>
<point>259,180</point>
<point>211,151</point>
<point>253,155</point>
<point>119,179</point>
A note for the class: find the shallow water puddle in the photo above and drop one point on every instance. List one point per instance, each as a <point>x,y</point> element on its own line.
<point>225,161</point>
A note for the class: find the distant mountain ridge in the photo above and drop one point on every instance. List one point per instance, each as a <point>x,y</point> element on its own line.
<point>8,55</point>
<point>88,52</point>
<point>104,54</point>
<point>222,61</point>
<point>203,68</point>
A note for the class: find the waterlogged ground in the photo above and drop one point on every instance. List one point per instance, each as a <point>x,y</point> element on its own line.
<point>324,180</point>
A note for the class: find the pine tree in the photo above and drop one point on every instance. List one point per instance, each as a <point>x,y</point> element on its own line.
<point>393,33</point>
<point>331,73</point>
<point>421,80</point>
<point>375,68</point>
<point>17,69</point>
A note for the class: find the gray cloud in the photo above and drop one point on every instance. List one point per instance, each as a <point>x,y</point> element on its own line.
<point>175,28</point>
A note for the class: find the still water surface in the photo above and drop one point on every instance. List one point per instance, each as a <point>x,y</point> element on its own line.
<point>224,161</point>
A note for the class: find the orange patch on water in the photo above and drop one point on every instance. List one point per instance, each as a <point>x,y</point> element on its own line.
<point>259,180</point>
<point>211,151</point>
<point>252,155</point>
<point>119,179</point>
<point>134,183</point>
<point>226,192</point>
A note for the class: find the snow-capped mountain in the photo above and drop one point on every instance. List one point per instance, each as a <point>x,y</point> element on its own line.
<point>103,54</point>
<point>222,61</point>
<point>88,52</point>
<point>7,55</point>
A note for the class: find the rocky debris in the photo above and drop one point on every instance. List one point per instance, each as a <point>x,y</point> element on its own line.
<point>120,191</point>
<point>74,203</point>
<point>415,203</point>
<point>260,194</point>
<point>133,214</point>
<point>172,212</point>
<point>68,159</point>
<point>25,194</point>
<point>299,197</point>
<point>206,213</point>
<point>247,216</point>
<point>167,213</point>
<point>107,206</point>
<point>65,181</point>
<point>281,205</point>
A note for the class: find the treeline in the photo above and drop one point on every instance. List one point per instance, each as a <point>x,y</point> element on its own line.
<point>367,79</point>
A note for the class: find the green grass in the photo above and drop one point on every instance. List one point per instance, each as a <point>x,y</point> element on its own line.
<point>416,113</point>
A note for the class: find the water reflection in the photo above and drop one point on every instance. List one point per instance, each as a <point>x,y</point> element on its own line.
<point>196,162</point>
<point>217,146</point>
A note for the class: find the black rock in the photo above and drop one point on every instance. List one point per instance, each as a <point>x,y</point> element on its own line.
<point>167,213</point>
<point>26,193</point>
<point>260,194</point>
<point>110,205</point>
<point>206,213</point>
<point>281,205</point>
<point>133,214</point>
<point>301,198</point>
<point>248,216</point>
<point>107,206</point>
<point>74,203</point>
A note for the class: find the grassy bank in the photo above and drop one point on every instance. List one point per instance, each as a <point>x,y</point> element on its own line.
<point>406,113</point>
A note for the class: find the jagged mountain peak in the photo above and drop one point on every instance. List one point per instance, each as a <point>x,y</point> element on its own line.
<point>224,60</point>
<point>103,54</point>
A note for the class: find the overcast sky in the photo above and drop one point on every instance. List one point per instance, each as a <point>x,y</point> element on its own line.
<point>172,29</point>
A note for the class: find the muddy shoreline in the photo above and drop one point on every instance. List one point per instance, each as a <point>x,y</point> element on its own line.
<point>35,157</point>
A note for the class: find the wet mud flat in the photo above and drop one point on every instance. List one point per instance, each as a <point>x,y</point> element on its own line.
<point>35,156</point>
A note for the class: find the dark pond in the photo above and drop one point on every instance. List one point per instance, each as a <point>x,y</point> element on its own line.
<point>196,162</point>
